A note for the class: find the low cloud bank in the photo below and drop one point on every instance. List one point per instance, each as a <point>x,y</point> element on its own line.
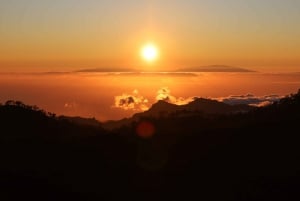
<point>134,101</point>
<point>250,99</point>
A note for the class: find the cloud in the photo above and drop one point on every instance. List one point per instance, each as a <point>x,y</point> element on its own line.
<point>164,94</point>
<point>262,104</point>
<point>250,99</point>
<point>132,101</point>
<point>136,102</point>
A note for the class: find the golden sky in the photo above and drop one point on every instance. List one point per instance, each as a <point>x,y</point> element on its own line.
<point>63,35</point>
<point>100,95</point>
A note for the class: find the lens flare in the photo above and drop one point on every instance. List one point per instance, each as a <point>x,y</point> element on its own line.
<point>145,129</point>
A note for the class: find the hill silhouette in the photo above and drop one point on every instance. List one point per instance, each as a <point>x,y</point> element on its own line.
<point>82,121</point>
<point>230,156</point>
<point>197,106</point>
<point>215,68</point>
<point>211,68</point>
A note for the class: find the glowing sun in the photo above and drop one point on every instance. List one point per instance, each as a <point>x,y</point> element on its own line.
<point>149,52</point>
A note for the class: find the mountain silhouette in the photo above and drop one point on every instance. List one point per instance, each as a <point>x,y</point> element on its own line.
<point>107,69</point>
<point>214,68</point>
<point>179,72</point>
<point>164,109</point>
<point>206,106</point>
<point>223,154</point>
<point>82,121</point>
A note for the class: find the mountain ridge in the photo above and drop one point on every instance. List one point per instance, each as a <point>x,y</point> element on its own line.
<point>209,68</point>
<point>230,157</point>
<point>215,68</point>
<point>198,106</point>
<point>202,105</point>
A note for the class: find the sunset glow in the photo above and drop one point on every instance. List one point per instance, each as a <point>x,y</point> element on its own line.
<point>67,35</point>
<point>108,59</point>
<point>140,99</point>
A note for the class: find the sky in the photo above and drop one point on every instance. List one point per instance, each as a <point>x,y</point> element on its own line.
<point>66,35</point>
<point>107,96</point>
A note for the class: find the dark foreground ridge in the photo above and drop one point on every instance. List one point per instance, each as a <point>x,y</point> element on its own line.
<point>234,156</point>
<point>199,106</point>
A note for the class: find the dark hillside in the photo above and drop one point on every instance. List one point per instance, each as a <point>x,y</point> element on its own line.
<point>230,156</point>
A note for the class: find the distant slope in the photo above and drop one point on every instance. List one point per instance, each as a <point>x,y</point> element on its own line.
<point>243,156</point>
<point>20,120</point>
<point>214,68</point>
<point>198,106</point>
<point>202,105</point>
<point>81,121</point>
<point>107,70</point>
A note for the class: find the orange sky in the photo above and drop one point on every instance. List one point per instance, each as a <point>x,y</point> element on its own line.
<point>68,35</point>
<point>94,94</point>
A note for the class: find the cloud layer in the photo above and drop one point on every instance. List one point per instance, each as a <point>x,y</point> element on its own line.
<point>250,99</point>
<point>137,102</point>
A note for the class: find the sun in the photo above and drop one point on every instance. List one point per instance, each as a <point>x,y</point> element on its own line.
<point>149,52</point>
